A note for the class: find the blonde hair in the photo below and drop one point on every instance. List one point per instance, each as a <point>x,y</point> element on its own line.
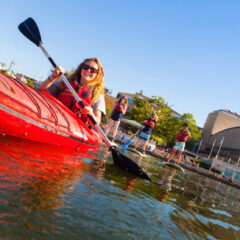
<point>97,82</point>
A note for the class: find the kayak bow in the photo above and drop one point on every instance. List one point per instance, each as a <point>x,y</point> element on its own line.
<point>36,115</point>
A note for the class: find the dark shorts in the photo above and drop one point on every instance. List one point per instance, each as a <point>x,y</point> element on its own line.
<point>116,116</point>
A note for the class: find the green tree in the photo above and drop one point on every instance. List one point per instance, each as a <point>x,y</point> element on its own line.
<point>108,111</point>
<point>30,83</point>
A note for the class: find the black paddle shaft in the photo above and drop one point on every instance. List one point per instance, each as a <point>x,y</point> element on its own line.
<point>93,121</point>
<point>31,31</point>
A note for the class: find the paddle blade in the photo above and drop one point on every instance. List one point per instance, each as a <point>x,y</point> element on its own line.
<point>30,30</point>
<point>126,144</point>
<point>127,164</point>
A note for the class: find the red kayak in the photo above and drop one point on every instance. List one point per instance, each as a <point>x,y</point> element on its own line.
<point>36,115</point>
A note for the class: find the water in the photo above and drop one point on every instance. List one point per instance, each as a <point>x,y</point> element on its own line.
<point>54,193</point>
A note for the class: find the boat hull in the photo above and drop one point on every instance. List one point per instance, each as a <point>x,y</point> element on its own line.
<point>33,115</point>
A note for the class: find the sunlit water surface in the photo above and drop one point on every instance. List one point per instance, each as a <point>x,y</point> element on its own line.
<point>54,193</point>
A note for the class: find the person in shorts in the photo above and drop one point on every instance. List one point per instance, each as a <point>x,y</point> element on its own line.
<point>181,139</point>
<point>145,134</point>
<point>119,110</point>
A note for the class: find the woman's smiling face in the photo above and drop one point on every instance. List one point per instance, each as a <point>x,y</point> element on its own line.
<point>89,72</point>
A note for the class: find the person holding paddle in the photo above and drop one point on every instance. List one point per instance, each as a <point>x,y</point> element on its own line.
<point>181,139</point>
<point>119,109</point>
<point>147,130</point>
<point>87,81</point>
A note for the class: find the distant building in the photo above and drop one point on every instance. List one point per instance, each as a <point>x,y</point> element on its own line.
<point>20,77</point>
<point>176,114</point>
<point>132,97</point>
<point>25,79</point>
<point>222,125</point>
<point>228,170</point>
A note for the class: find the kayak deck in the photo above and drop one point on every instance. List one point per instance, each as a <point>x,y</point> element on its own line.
<point>38,116</point>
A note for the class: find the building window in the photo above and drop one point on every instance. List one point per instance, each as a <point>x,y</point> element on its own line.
<point>237,176</point>
<point>175,116</point>
<point>130,100</point>
<point>228,172</point>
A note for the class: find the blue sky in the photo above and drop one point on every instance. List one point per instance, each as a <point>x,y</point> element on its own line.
<point>188,52</point>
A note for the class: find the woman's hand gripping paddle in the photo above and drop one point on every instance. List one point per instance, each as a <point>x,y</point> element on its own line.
<point>30,30</point>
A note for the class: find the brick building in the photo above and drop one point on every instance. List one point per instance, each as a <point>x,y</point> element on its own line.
<point>132,97</point>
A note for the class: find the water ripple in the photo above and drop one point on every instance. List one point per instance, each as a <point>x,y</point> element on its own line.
<point>54,193</point>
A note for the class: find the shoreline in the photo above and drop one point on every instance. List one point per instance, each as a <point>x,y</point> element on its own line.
<point>159,154</point>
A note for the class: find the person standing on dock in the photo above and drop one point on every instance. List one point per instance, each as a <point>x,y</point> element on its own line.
<point>118,112</point>
<point>181,139</point>
<point>147,130</point>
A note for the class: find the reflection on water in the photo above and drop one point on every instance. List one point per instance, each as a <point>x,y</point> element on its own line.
<point>54,193</point>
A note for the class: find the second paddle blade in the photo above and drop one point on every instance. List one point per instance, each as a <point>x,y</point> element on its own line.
<point>127,164</point>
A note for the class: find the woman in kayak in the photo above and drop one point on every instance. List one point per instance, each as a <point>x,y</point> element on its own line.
<point>117,114</point>
<point>181,139</point>
<point>87,81</point>
<point>147,130</point>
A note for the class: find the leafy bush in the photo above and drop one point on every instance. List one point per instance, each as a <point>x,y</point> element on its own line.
<point>204,165</point>
<point>105,119</point>
<point>159,140</point>
<point>5,72</point>
<point>216,171</point>
<point>195,160</point>
<point>30,83</point>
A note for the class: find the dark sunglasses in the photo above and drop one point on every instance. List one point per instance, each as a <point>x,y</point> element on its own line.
<point>92,69</point>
